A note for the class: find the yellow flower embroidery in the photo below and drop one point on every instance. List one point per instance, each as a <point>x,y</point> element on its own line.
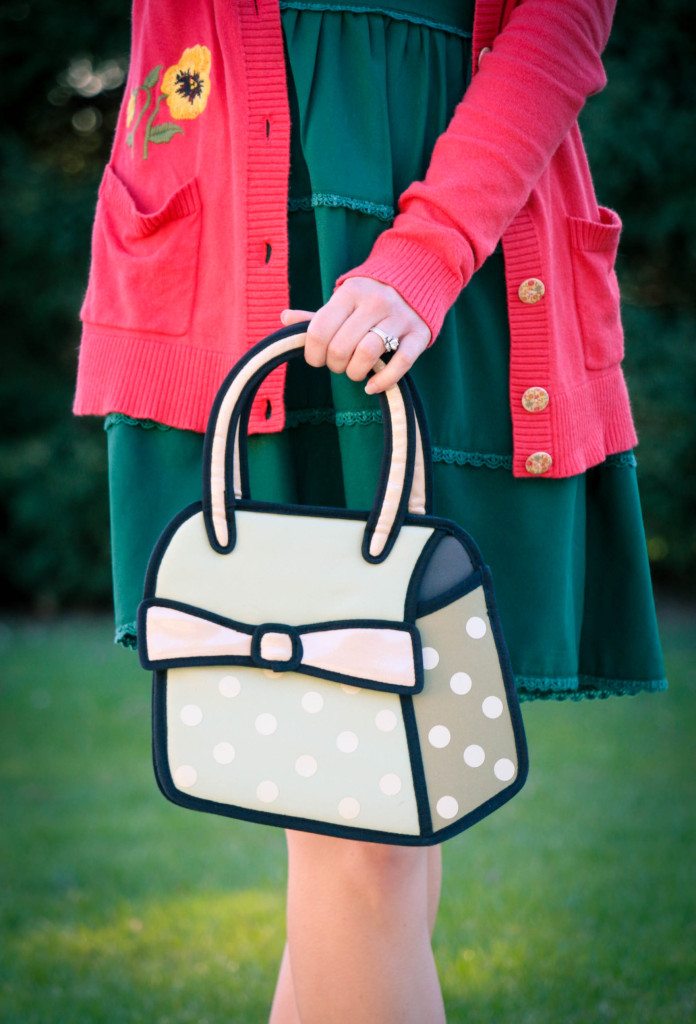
<point>130,110</point>
<point>186,84</point>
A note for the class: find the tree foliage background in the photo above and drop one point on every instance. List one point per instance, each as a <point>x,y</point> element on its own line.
<point>65,63</point>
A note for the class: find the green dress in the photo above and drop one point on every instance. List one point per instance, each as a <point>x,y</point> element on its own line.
<point>371,87</point>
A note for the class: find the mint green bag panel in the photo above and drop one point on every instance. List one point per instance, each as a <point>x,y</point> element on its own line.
<point>335,671</point>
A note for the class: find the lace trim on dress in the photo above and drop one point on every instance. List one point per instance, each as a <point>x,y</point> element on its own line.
<point>120,417</point>
<point>126,636</point>
<point>359,417</point>
<point>347,418</point>
<point>381,210</point>
<point>571,687</point>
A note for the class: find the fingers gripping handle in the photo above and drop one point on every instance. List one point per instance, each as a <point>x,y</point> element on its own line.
<point>418,502</point>
<point>403,465</point>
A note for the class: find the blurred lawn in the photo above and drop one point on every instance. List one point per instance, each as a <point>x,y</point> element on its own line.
<point>573,904</point>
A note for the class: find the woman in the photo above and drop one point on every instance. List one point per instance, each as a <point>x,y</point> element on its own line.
<point>416,169</point>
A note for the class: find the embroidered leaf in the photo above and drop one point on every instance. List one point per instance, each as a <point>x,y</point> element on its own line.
<point>151,80</point>
<point>164,132</point>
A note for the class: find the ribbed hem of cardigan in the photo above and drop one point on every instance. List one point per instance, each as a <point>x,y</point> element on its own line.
<point>116,374</point>
<point>594,420</point>
<point>579,428</point>
<point>418,275</point>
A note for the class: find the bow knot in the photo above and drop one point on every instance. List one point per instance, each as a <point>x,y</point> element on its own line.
<point>275,645</point>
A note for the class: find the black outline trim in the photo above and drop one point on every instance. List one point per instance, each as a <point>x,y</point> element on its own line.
<point>381,490</point>
<point>291,664</point>
<point>415,755</point>
<point>421,419</point>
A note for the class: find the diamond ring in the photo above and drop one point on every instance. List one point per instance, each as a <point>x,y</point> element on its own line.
<point>391,342</point>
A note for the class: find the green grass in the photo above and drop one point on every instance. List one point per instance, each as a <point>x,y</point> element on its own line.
<point>572,904</point>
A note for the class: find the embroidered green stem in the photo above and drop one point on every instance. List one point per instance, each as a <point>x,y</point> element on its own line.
<point>150,121</point>
<point>130,137</point>
<point>148,85</point>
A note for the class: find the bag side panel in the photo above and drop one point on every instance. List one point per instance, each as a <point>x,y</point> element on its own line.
<point>470,733</point>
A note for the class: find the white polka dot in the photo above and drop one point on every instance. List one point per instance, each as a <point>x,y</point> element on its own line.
<point>460,682</point>
<point>185,776</point>
<point>385,720</point>
<point>306,765</point>
<point>347,741</point>
<point>439,736</point>
<point>312,701</point>
<point>504,769</point>
<point>229,686</point>
<point>476,627</point>
<point>492,707</point>
<point>474,755</point>
<point>191,714</point>
<point>266,723</point>
<point>267,791</point>
<point>390,784</point>
<point>347,688</point>
<point>430,657</point>
<point>223,753</point>
<point>447,807</point>
<point>349,807</point>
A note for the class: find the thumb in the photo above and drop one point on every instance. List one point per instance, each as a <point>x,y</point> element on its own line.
<point>293,316</point>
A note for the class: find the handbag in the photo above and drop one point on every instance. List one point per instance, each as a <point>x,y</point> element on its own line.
<point>331,670</point>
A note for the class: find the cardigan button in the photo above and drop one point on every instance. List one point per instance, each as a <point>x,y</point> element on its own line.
<point>539,462</point>
<point>535,399</point>
<point>482,53</point>
<point>531,290</point>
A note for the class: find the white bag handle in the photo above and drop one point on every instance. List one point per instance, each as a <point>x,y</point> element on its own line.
<point>404,469</point>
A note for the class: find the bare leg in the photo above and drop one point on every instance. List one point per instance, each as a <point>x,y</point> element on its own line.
<point>378,966</point>
<point>284,1008</point>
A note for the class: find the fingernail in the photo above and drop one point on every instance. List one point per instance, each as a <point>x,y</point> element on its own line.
<point>369,388</point>
<point>283,315</point>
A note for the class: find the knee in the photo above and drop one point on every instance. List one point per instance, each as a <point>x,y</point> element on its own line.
<point>363,867</point>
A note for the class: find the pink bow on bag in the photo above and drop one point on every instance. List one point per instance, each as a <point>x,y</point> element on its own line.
<point>373,653</point>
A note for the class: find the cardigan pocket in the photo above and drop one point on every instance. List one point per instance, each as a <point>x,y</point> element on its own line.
<point>594,246</point>
<point>144,264</point>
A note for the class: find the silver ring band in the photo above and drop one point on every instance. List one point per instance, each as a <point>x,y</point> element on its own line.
<point>391,342</point>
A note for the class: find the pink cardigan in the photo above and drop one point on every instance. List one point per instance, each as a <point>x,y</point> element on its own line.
<point>190,243</point>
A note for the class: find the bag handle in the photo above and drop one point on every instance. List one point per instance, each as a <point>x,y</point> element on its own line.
<point>420,498</point>
<point>405,477</point>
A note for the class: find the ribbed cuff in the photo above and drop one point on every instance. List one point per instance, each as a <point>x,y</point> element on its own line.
<point>418,275</point>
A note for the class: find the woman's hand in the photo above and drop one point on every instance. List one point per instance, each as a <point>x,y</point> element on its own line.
<point>339,334</point>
